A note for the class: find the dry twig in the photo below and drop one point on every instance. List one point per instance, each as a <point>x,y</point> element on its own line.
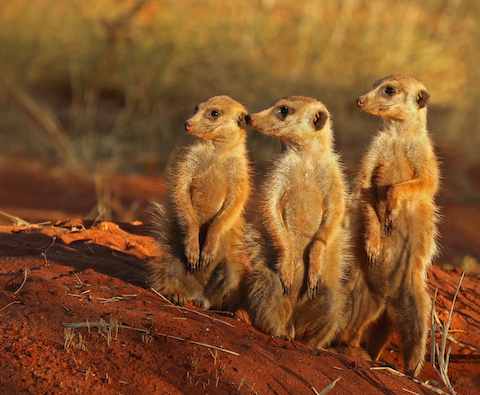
<point>23,283</point>
<point>327,388</point>
<point>442,353</point>
<point>14,302</point>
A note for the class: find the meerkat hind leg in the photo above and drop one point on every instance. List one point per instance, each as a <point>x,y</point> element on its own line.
<point>224,289</point>
<point>377,336</point>
<point>269,310</point>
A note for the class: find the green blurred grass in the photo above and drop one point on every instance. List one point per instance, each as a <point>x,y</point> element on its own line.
<point>117,79</point>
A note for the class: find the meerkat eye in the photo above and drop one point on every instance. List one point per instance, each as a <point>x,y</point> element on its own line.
<point>389,90</point>
<point>283,111</point>
<point>213,114</point>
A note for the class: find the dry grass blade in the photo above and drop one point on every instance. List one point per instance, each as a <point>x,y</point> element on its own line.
<point>245,382</point>
<point>101,323</point>
<point>204,315</point>
<point>327,388</point>
<point>432,330</point>
<point>170,304</point>
<point>14,302</point>
<point>107,327</point>
<point>397,373</point>
<point>17,221</point>
<point>68,334</point>
<point>215,348</point>
<point>163,297</point>
<point>78,278</point>
<point>410,392</point>
<point>50,246</point>
<point>23,283</point>
<point>441,354</point>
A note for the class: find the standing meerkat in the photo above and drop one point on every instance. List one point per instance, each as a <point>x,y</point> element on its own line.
<point>398,181</point>
<point>201,233</point>
<point>298,255</point>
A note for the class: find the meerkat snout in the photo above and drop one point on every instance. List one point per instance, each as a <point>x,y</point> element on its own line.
<point>360,102</point>
<point>188,126</point>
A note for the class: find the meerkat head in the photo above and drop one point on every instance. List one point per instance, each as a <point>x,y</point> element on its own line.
<point>218,118</point>
<point>397,97</point>
<point>296,119</point>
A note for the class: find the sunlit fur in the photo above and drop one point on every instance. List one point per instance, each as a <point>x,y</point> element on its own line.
<point>394,217</point>
<point>298,253</point>
<point>201,230</point>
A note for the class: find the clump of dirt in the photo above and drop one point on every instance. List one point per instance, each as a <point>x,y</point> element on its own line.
<point>78,316</point>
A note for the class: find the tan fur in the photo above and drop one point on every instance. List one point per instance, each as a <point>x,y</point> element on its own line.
<point>396,225</point>
<point>202,231</point>
<point>298,256</point>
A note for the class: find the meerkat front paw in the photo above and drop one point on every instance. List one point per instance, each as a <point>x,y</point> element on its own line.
<point>177,299</point>
<point>286,278</point>
<point>313,283</point>
<point>209,251</point>
<point>316,254</point>
<point>202,303</point>
<point>372,246</point>
<point>290,332</point>
<point>389,220</point>
<point>391,209</point>
<point>192,252</point>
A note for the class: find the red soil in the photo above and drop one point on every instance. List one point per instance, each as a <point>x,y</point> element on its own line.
<point>78,271</point>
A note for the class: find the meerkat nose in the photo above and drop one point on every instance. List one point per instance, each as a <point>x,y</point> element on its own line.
<point>249,119</point>
<point>360,102</point>
<point>188,126</point>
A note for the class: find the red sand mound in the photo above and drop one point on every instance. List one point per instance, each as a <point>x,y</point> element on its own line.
<point>128,340</point>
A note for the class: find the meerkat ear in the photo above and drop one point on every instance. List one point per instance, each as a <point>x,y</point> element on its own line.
<point>243,120</point>
<point>422,98</point>
<point>320,120</point>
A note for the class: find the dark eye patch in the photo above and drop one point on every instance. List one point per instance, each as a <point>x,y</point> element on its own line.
<point>390,90</point>
<point>214,113</point>
<point>283,111</point>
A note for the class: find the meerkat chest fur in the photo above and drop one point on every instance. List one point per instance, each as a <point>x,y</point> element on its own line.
<point>210,182</point>
<point>393,163</point>
<point>302,202</point>
<point>398,158</point>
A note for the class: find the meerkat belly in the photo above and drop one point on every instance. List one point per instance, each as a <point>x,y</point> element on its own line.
<point>303,215</point>
<point>208,193</point>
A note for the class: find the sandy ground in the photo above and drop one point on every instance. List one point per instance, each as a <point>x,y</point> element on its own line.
<point>77,315</point>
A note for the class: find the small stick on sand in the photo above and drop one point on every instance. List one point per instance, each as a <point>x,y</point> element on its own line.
<point>193,311</point>
<point>78,278</point>
<point>326,389</point>
<point>50,246</point>
<point>23,283</point>
<point>412,392</point>
<point>396,372</point>
<point>17,221</point>
<point>163,297</point>
<point>204,315</point>
<point>75,325</point>
<point>15,301</point>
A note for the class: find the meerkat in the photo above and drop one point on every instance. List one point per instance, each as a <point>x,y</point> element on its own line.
<point>201,232</point>
<point>298,254</point>
<point>398,181</point>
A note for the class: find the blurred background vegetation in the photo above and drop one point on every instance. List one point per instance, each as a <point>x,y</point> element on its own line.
<point>105,85</point>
